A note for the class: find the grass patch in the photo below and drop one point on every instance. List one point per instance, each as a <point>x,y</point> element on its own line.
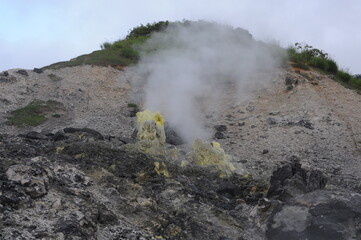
<point>344,76</point>
<point>107,57</point>
<point>132,105</point>
<point>33,114</point>
<point>54,77</point>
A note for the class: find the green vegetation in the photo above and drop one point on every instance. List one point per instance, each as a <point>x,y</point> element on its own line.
<point>33,114</point>
<point>126,52</point>
<point>121,53</point>
<point>146,30</point>
<point>305,56</point>
<point>54,77</point>
<point>132,105</point>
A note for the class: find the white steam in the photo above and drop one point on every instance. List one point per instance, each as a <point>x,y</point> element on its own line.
<point>186,68</point>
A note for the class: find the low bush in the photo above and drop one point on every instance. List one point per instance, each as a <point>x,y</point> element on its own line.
<point>54,77</point>
<point>129,53</point>
<point>106,45</point>
<point>132,105</point>
<point>331,66</point>
<point>318,62</point>
<point>344,76</point>
<point>146,30</point>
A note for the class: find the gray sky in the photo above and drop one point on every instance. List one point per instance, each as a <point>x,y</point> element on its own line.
<point>35,33</point>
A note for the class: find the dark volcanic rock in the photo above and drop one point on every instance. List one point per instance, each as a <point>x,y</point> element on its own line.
<point>59,136</point>
<point>5,74</point>
<point>89,131</point>
<point>78,189</point>
<point>34,135</point>
<point>133,111</point>
<point>291,180</point>
<point>72,228</point>
<point>320,215</point>
<point>302,123</point>
<point>33,179</point>
<point>134,134</point>
<point>316,181</point>
<point>171,136</point>
<point>306,124</point>
<point>38,70</point>
<point>220,128</point>
<point>219,135</point>
<point>105,216</point>
<point>23,72</point>
<point>271,121</point>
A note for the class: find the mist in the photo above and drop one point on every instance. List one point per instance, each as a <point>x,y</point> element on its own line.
<point>186,69</point>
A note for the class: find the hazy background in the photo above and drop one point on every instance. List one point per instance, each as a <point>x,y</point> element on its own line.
<point>40,32</point>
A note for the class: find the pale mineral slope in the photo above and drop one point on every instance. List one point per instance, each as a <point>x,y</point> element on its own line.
<point>318,120</point>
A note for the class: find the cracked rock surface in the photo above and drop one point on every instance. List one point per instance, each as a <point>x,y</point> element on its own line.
<point>75,176</point>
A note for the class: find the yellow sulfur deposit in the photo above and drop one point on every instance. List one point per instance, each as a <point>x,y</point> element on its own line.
<point>150,129</point>
<point>206,154</point>
<point>148,115</point>
<point>161,169</point>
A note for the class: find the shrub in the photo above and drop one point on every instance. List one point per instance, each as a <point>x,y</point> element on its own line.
<point>331,66</point>
<point>304,54</point>
<point>319,63</point>
<point>132,105</point>
<point>106,45</point>
<point>129,53</point>
<point>146,30</point>
<point>344,76</point>
<point>54,77</point>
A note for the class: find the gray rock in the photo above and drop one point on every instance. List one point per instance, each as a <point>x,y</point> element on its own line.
<point>172,137</point>
<point>5,74</point>
<point>59,136</point>
<point>89,131</point>
<point>290,82</point>
<point>22,72</point>
<point>292,180</point>
<point>271,121</point>
<point>219,135</point>
<point>220,128</point>
<point>35,135</point>
<point>320,215</point>
<point>33,179</point>
<point>241,124</point>
<point>38,70</point>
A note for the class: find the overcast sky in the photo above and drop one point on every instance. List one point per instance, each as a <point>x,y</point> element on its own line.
<point>35,33</point>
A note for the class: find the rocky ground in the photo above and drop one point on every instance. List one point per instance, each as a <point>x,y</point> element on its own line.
<point>75,176</point>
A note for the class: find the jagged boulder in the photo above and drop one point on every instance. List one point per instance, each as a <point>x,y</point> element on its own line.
<point>292,180</point>
<point>319,215</point>
<point>22,72</point>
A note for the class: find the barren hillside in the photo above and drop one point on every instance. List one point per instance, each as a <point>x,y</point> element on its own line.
<point>302,115</point>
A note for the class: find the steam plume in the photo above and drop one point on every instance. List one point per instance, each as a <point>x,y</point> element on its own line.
<point>187,67</point>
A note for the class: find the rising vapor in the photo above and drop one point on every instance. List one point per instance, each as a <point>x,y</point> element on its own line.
<point>185,69</point>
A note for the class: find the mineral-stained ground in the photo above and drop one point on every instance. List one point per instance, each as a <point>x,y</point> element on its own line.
<point>78,175</point>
